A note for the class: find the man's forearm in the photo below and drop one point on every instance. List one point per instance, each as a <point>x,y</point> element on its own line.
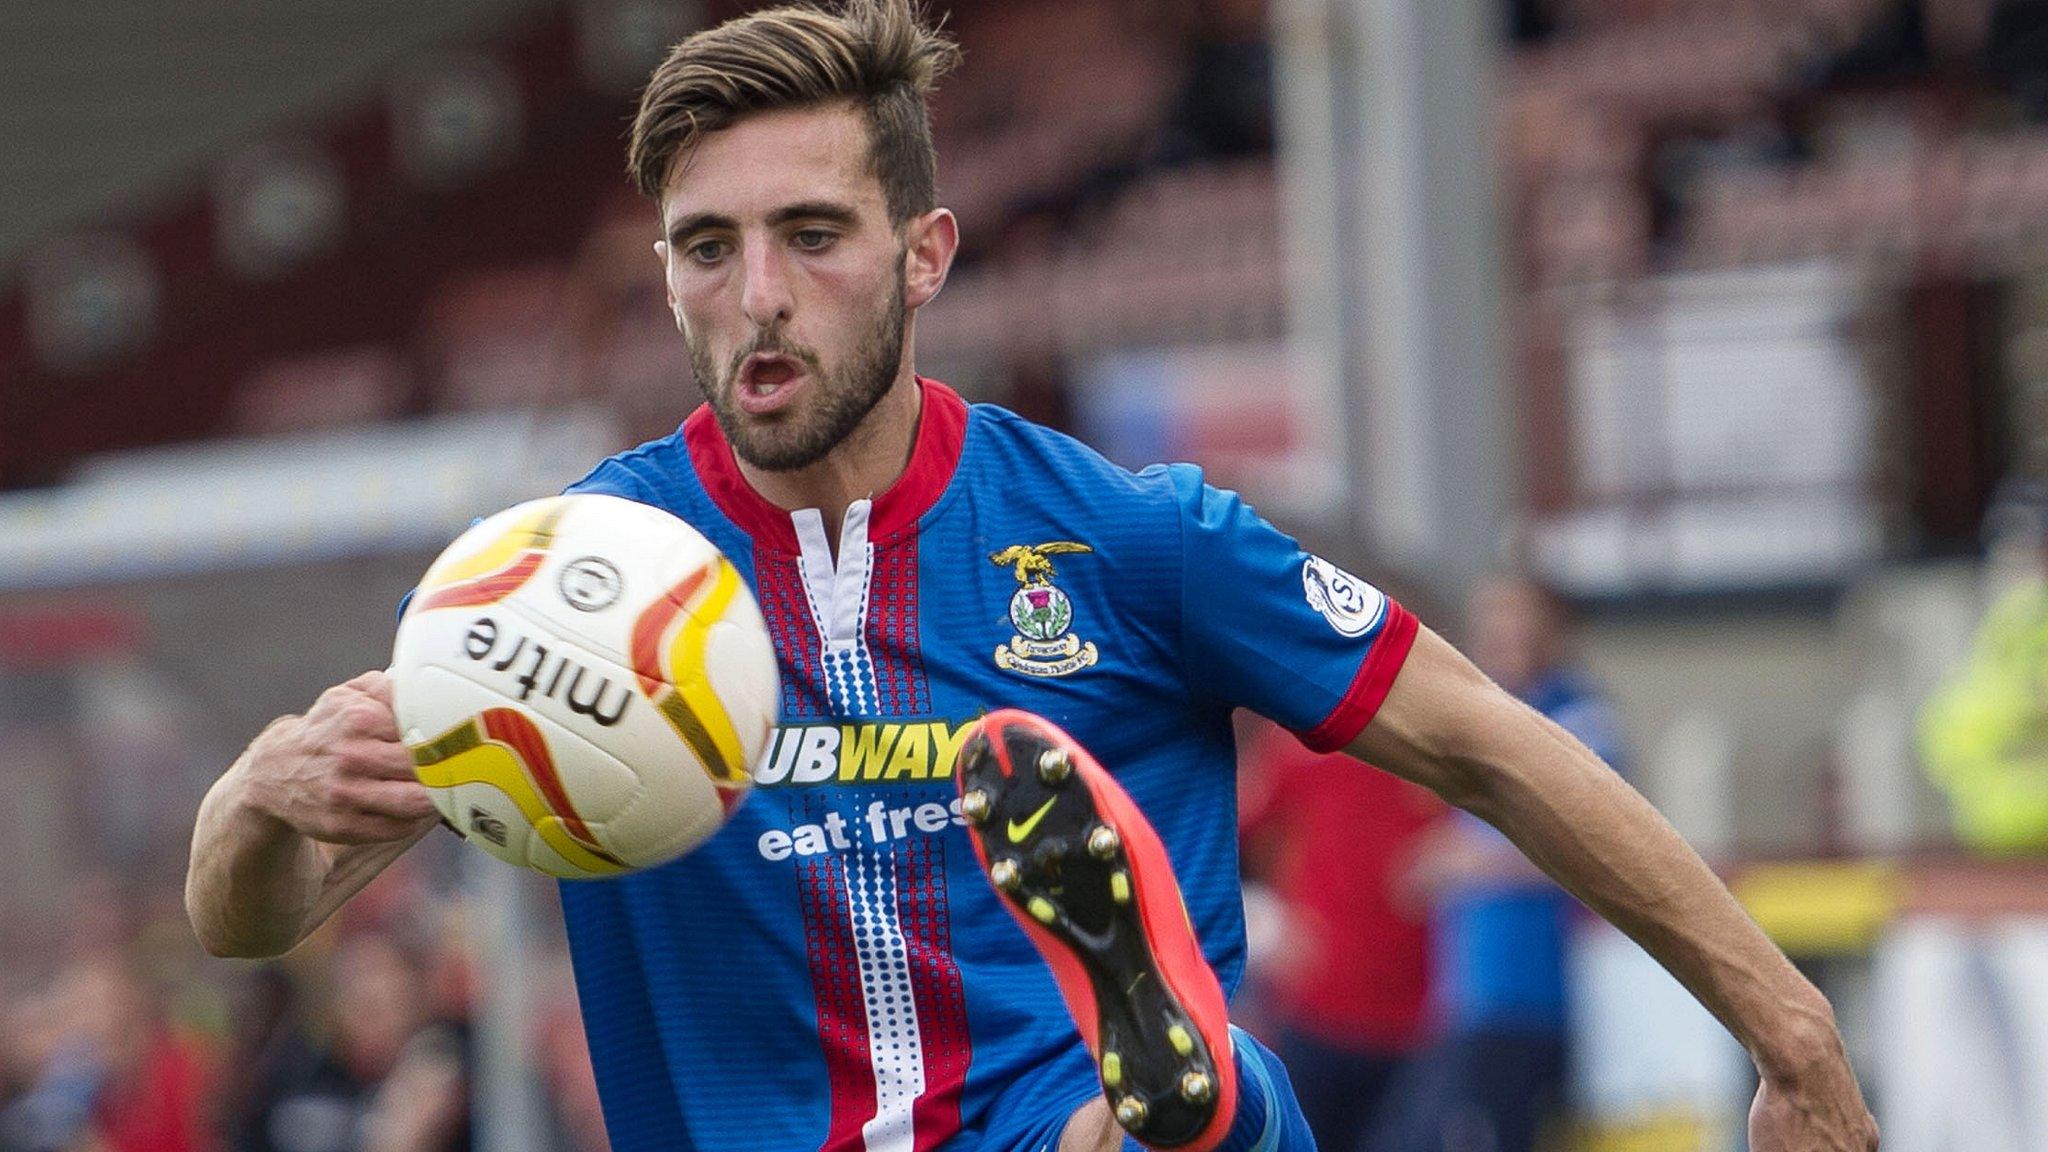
<point>252,881</point>
<point>1447,727</point>
<point>309,814</point>
<point>1595,835</point>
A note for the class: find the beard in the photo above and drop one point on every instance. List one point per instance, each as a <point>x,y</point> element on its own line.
<point>839,400</point>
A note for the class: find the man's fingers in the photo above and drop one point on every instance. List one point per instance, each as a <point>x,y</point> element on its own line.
<point>358,707</point>
<point>376,759</point>
<point>406,801</point>
<point>365,715</point>
<point>360,826</point>
<point>375,684</point>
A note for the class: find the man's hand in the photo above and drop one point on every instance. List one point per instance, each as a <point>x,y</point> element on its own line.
<point>1828,1116</point>
<point>340,774</point>
<point>305,817</point>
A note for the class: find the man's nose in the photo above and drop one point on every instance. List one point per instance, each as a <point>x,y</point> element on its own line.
<point>765,298</point>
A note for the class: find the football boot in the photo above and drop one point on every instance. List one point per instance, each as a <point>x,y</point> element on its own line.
<point>1085,875</point>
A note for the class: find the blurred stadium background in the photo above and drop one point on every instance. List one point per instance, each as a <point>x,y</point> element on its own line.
<point>1727,319</point>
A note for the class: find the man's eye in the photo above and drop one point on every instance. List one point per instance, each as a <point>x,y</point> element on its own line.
<point>813,238</point>
<point>707,251</point>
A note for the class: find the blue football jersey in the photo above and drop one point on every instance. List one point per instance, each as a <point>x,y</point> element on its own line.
<point>832,970</point>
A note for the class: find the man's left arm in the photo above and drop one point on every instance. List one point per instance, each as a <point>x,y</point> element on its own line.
<point>1447,727</point>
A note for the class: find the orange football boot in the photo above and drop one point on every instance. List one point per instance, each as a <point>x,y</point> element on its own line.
<point>1084,873</point>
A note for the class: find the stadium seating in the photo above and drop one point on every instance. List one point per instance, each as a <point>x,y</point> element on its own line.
<point>1637,135</point>
<point>114,101</point>
<point>327,389</point>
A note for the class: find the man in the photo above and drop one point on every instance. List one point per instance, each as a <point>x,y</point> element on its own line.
<point>1984,733</point>
<point>830,970</point>
<point>1497,1070</point>
<point>1348,984</point>
<point>375,1068</point>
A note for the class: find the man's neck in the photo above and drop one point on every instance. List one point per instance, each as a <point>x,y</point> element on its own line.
<point>862,466</point>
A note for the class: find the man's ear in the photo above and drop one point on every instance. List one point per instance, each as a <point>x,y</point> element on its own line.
<point>930,243</point>
<point>661,254</point>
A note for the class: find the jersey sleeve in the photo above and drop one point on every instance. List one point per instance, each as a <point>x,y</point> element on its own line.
<point>611,478</point>
<point>1270,627</point>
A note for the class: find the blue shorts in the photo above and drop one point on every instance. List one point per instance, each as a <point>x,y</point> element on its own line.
<point>1259,1070</point>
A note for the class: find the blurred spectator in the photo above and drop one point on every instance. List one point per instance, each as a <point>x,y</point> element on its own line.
<point>1497,1073</point>
<point>1328,837</point>
<point>1531,21</point>
<point>1984,735</point>
<point>262,1006</point>
<point>1891,48</point>
<point>2016,53</point>
<point>1041,391</point>
<point>1225,104</point>
<point>565,1069</point>
<point>376,1074</point>
<point>111,1074</point>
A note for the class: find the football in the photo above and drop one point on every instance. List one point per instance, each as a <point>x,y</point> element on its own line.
<point>585,683</point>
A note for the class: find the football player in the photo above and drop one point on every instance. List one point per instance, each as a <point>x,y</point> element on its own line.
<point>1009,667</point>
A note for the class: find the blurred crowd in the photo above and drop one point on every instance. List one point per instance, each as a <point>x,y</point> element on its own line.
<point>1414,968</point>
<point>119,1036</point>
<point>1409,964</point>
<point>1420,994</point>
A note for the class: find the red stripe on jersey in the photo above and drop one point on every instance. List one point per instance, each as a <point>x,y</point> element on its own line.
<point>944,1043</point>
<point>1370,686</point>
<point>941,433</point>
<point>842,1012</point>
<point>779,589</point>
<point>900,685</point>
<point>941,998</point>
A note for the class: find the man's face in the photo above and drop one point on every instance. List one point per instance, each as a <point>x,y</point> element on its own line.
<point>787,281</point>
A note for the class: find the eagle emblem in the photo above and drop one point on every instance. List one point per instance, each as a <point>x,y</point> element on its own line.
<point>1034,561</point>
<point>1042,614</point>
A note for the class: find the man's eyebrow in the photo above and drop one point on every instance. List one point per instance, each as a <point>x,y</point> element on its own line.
<point>697,222</point>
<point>826,210</point>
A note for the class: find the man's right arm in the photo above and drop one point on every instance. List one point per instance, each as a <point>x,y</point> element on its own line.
<point>1446,726</point>
<point>308,815</point>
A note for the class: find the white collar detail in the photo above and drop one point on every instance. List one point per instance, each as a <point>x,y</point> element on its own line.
<point>837,592</point>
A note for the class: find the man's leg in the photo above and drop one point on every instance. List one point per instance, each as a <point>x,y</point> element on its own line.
<point>1513,1083</point>
<point>1085,875</point>
<point>1411,1118</point>
<point>1092,1129</point>
<point>1340,1089</point>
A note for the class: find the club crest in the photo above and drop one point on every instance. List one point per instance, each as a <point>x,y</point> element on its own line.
<point>1042,614</point>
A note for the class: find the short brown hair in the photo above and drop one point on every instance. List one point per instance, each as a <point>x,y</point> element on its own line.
<point>879,54</point>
